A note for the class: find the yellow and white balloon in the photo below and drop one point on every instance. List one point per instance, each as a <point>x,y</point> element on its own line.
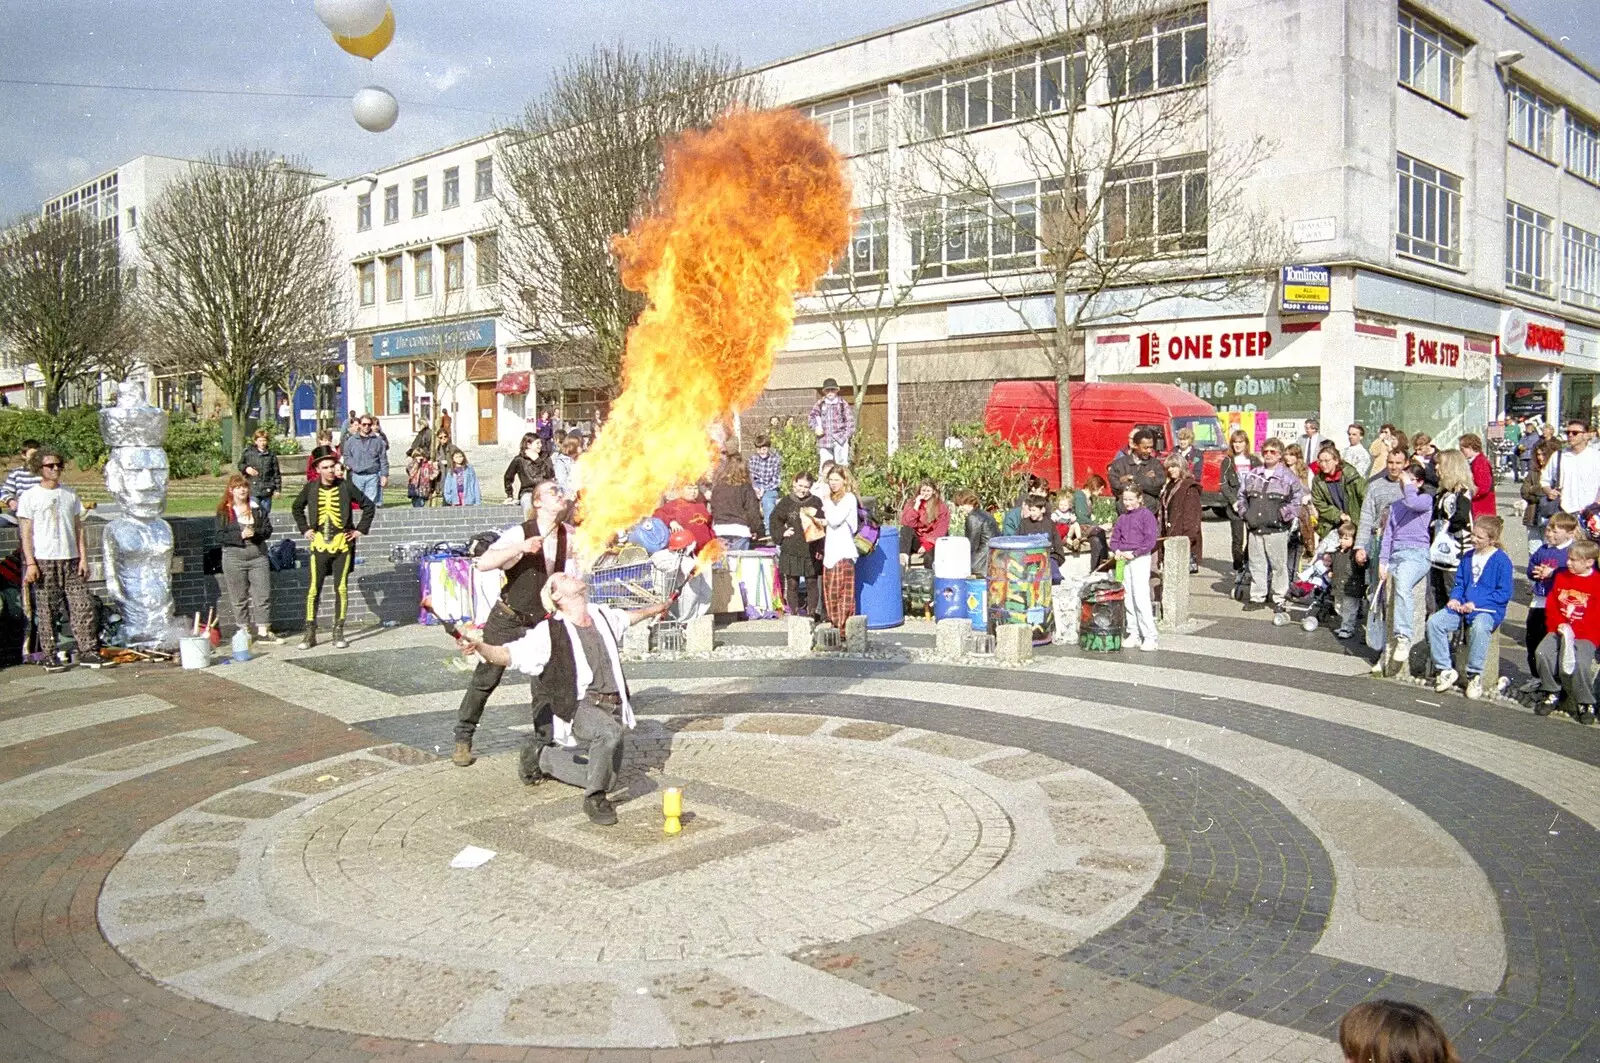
<point>364,28</point>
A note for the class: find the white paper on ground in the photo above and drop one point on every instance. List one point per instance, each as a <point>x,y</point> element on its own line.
<point>472,856</point>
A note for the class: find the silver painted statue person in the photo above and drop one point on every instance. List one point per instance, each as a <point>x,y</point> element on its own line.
<point>138,543</point>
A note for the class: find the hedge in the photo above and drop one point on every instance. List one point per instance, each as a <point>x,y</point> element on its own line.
<point>194,447</point>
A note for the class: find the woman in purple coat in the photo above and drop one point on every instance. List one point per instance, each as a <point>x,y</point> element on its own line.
<point>1133,541</point>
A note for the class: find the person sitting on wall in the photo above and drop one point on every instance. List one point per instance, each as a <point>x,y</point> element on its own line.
<point>923,522</point>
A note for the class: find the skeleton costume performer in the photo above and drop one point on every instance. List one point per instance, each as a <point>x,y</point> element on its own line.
<point>324,510</point>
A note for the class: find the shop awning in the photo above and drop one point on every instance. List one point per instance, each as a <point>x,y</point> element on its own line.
<point>513,383</point>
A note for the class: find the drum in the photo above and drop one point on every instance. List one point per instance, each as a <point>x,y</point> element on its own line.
<point>878,582</point>
<point>949,599</point>
<point>1101,617</point>
<point>1019,584</point>
<point>952,557</point>
<point>978,603</point>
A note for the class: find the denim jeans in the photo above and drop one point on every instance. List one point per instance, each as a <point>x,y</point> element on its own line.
<point>1444,623</point>
<point>367,484</point>
<point>769,499</point>
<point>1408,568</point>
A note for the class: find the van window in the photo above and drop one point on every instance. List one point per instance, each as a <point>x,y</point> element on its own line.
<point>1207,431</point>
<point>1160,432</point>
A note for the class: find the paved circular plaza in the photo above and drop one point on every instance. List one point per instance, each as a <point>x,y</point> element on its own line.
<point>1187,855</point>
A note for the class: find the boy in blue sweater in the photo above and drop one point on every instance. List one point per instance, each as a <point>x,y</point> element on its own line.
<point>1479,600</point>
<point>1559,533</point>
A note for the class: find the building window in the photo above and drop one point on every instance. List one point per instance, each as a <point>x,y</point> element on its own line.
<point>1155,208</point>
<point>865,262</point>
<point>487,251</point>
<point>391,204</point>
<point>1006,230</point>
<point>1527,249</point>
<point>455,271</point>
<point>1038,82</point>
<point>1533,121</point>
<point>133,217</point>
<point>367,282</point>
<point>1430,212</point>
<point>422,272</point>
<point>419,196</point>
<point>483,185</point>
<point>1162,54</point>
<point>393,283</point>
<point>1583,149</point>
<point>1431,60</point>
<point>1581,257</point>
<point>452,188</point>
<point>856,124</point>
<point>363,212</point>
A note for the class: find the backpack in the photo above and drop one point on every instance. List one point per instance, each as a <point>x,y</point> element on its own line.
<point>867,531</point>
<point>282,555</point>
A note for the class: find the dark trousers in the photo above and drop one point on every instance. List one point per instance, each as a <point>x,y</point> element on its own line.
<point>1535,635</point>
<point>499,630</point>
<point>1099,549</point>
<point>1241,550</point>
<point>796,603</point>
<point>326,565</point>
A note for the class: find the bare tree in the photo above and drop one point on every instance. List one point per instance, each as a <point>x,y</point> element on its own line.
<point>1107,187</point>
<point>242,283</point>
<point>577,169</point>
<point>63,300</point>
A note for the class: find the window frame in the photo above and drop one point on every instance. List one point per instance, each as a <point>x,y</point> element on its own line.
<point>1581,129</point>
<point>858,124</point>
<point>486,276</point>
<point>1187,177</point>
<point>391,204</point>
<point>1529,242</point>
<point>1417,247</point>
<point>394,279</point>
<point>1530,113</point>
<point>422,272</point>
<point>363,212</point>
<point>1449,57</point>
<point>450,188</point>
<point>871,231</point>
<point>367,282</point>
<point>419,196</point>
<point>992,221</point>
<point>1173,35</point>
<point>454,254</point>
<point>1057,80</point>
<point>1580,267</point>
<point>483,179</point>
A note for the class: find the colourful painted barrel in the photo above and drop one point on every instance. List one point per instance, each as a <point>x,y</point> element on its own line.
<point>978,603</point>
<point>878,582</point>
<point>1102,618</point>
<point>949,599</point>
<point>1019,584</point>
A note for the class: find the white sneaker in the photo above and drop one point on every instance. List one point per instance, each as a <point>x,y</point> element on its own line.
<point>1132,642</point>
<point>1149,646</point>
<point>1402,651</point>
<point>1446,680</point>
<point>1377,666</point>
<point>1475,688</point>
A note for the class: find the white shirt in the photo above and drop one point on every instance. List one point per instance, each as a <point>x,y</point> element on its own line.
<point>513,536</point>
<point>1480,558</point>
<point>531,653</point>
<point>843,521</point>
<point>55,512</point>
<point>1358,457</point>
<point>1580,477</point>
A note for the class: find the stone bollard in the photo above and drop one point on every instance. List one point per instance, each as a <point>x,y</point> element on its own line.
<point>1419,633</point>
<point>1013,643</point>
<point>1174,583</point>
<point>950,637</point>
<point>855,634</point>
<point>700,635</point>
<point>636,640</point>
<point>799,629</point>
<point>1491,664</point>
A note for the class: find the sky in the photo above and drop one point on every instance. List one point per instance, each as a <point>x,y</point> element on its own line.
<point>459,68</point>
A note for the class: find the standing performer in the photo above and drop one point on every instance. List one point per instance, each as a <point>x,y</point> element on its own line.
<point>529,553</point>
<point>576,653</point>
<point>333,533</point>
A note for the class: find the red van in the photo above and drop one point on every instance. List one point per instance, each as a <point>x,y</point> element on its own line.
<point>1024,412</point>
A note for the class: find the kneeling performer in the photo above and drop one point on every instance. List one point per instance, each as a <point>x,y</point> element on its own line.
<point>576,652</point>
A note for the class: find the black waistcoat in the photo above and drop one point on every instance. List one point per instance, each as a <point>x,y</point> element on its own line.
<point>525,580</point>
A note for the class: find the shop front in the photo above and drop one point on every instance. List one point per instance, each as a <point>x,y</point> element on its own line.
<point>1422,379</point>
<point>1580,366</point>
<point>1261,374</point>
<point>417,372</point>
<point>1532,356</point>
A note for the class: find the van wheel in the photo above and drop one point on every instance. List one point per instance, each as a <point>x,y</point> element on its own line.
<point>1219,512</point>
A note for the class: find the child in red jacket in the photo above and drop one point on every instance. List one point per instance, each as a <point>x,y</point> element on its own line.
<point>1566,656</point>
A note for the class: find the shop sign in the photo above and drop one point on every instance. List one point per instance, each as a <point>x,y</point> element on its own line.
<point>433,340</point>
<point>1520,336</point>
<point>1306,290</point>
<point>1423,350</point>
<point>1188,347</point>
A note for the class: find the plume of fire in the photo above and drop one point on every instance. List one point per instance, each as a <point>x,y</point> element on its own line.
<point>710,554</point>
<point>750,212</point>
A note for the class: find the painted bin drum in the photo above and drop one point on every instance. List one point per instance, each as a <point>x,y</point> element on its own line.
<point>978,603</point>
<point>1019,584</point>
<point>1102,617</point>
<point>949,599</point>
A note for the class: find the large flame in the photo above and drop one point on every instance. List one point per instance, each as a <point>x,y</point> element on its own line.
<point>750,212</point>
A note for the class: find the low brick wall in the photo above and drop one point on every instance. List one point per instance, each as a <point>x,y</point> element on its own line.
<point>380,589</point>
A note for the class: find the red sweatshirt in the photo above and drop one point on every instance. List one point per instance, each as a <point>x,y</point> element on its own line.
<point>1482,486</point>
<point>1575,600</point>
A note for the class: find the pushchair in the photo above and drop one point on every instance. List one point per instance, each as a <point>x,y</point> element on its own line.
<point>1311,591</point>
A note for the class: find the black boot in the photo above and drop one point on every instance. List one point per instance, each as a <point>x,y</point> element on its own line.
<point>528,762</point>
<point>310,638</point>
<point>339,641</point>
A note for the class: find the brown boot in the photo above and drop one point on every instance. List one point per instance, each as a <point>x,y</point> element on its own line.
<point>463,756</point>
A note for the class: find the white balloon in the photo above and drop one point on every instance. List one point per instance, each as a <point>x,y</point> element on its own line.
<point>375,109</point>
<point>351,18</point>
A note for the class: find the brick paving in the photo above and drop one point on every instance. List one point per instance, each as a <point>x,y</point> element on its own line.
<point>1211,955</point>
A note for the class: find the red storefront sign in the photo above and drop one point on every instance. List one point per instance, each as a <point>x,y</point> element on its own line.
<point>1421,350</point>
<point>1547,339</point>
<point>1202,346</point>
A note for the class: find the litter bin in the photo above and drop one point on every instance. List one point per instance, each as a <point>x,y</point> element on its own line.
<point>878,582</point>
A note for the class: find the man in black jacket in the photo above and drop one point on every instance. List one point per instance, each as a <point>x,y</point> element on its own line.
<point>260,464</point>
<point>576,652</point>
<point>1141,468</point>
<point>529,554</point>
<point>324,513</point>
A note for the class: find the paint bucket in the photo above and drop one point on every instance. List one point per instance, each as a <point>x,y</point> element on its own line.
<point>978,603</point>
<point>949,599</point>
<point>194,651</point>
<point>952,557</point>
